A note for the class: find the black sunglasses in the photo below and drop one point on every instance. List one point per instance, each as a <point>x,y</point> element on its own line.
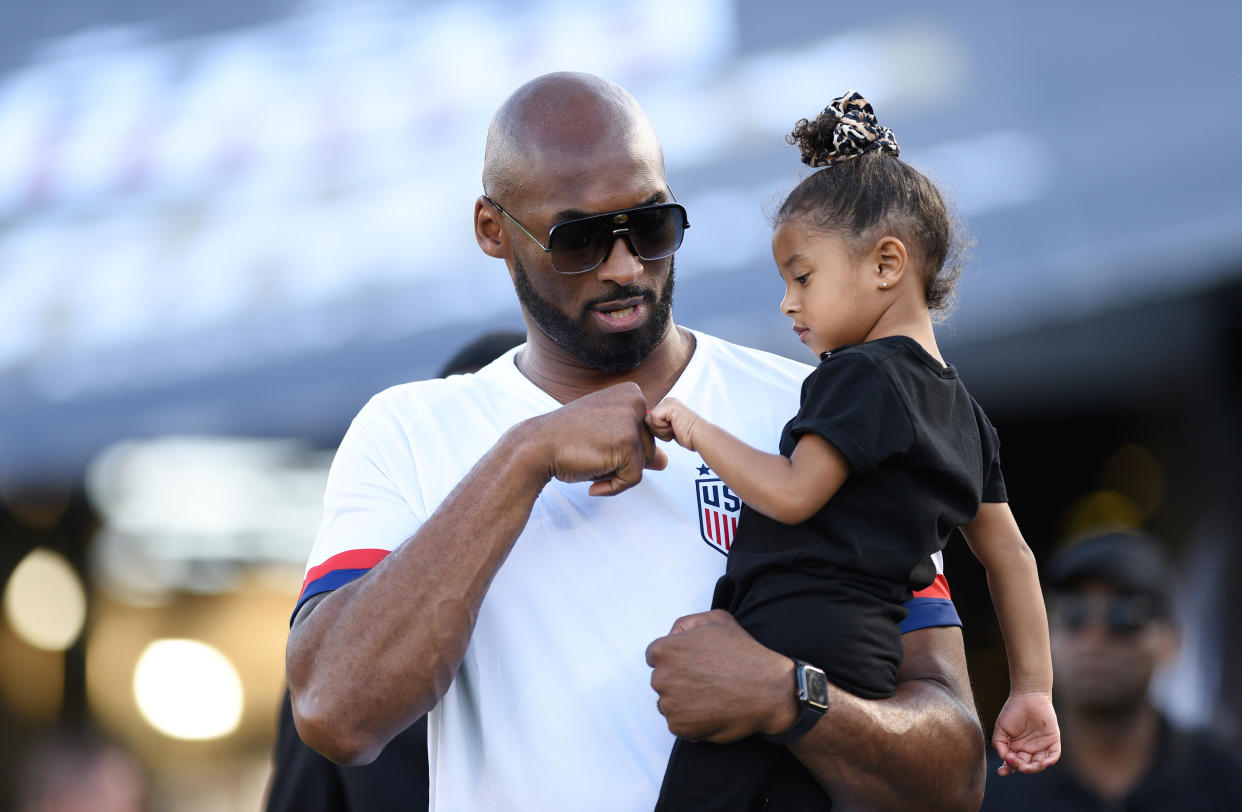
<point>583,244</point>
<point>1120,615</point>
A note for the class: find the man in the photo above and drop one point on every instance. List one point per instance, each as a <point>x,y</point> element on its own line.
<point>464,566</point>
<point>78,769</point>
<point>1110,619</point>
<point>304,781</point>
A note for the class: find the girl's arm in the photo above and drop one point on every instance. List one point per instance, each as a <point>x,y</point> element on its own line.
<point>1013,580</point>
<point>1027,736</point>
<point>789,490</point>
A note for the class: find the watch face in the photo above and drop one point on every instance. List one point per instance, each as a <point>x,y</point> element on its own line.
<point>816,687</point>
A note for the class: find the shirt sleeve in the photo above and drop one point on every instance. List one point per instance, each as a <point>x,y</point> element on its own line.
<point>993,479</point>
<point>932,606</point>
<point>851,403</point>
<point>366,513</point>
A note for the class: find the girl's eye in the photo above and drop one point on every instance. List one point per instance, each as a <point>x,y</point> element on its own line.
<point>801,280</point>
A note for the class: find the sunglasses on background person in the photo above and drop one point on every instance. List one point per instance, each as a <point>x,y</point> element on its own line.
<point>583,244</point>
<point>1123,615</point>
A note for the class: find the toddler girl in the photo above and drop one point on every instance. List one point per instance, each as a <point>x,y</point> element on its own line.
<point>887,455</point>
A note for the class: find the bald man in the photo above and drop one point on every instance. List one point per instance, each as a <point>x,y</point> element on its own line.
<point>508,550</point>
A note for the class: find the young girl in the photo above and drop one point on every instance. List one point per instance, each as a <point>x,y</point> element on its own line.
<point>886,456</point>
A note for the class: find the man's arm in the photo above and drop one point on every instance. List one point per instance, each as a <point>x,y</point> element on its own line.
<point>365,661</point>
<point>923,743</point>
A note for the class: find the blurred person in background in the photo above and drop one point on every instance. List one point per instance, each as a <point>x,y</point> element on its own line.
<point>304,781</point>
<point>465,567</point>
<point>78,770</point>
<point>481,352</point>
<point>1110,607</point>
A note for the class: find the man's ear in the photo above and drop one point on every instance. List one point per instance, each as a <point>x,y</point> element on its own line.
<point>1168,642</point>
<point>890,261</point>
<point>487,230</point>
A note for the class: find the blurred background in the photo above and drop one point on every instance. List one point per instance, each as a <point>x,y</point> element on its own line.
<point>224,226</point>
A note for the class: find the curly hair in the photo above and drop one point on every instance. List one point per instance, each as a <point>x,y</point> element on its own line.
<point>864,190</point>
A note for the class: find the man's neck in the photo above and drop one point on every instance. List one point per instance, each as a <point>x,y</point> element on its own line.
<point>1111,754</point>
<point>566,378</point>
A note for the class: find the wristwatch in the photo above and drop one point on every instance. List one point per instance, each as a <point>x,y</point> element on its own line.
<point>812,697</point>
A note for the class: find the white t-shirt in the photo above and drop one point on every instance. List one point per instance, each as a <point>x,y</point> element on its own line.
<point>552,707</point>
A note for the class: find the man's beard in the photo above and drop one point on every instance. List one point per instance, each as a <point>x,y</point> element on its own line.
<point>607,352</point>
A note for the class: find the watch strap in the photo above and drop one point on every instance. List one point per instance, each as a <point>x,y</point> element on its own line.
<point>806,720</point>
<point>808,713</point>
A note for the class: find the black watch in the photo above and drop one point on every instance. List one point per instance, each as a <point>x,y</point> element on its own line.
<point>812,696</point>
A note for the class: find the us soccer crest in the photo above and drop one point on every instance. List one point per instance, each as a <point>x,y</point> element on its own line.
<point>719,509</point>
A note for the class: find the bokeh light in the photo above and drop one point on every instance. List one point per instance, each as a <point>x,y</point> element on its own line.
<point>1134,471</point>
<point>1102,509</point>
<point>188,690</point>
<point>32,681</point>
<point>44,601</point>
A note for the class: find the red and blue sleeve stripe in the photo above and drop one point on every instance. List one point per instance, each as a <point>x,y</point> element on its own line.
<point>930,607</point>
<point>337,571</point>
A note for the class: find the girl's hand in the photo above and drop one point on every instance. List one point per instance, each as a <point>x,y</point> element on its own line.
<point>673,420</point>
<point>1027,737</point>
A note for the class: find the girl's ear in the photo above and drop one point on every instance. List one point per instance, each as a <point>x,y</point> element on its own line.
<point>890,261</point>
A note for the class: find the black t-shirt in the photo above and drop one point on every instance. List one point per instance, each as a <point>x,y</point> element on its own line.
<point>923,456</point>
<point>1192,771</point>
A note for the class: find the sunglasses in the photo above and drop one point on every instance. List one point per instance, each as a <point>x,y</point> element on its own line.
<point>583,244</point>
<point>1120,615</point>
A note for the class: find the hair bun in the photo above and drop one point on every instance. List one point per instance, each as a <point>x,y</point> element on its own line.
<point>845,129</point>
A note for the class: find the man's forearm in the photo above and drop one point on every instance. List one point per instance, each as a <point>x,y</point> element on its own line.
<point>403,628</point>
<point>922,746</point>
<point>372,657</point>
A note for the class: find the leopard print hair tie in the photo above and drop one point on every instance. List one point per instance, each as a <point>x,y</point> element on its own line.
<point>854,131</point>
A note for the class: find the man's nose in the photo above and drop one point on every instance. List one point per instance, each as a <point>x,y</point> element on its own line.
<point>1093,633</point>
<point>621,265</point>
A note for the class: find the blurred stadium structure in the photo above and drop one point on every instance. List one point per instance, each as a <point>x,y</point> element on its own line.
<point>223,227</point>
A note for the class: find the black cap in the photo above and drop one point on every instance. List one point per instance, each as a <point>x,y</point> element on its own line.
<point>1135,564</point>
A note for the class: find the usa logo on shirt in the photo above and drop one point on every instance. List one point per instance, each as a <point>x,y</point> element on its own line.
<point>719,508</point>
